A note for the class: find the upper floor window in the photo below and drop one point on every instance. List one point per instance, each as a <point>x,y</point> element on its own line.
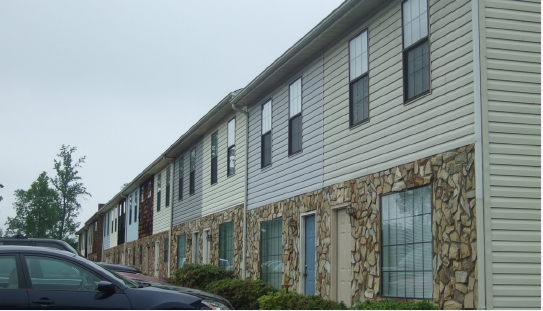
<point>168,182</point>
<point>359,80</point>
<point>295,117</point>
<point>416,54</point>
<point>231,141</point>
<point>159,192</point>
<point>265,144</point>
<point>192,169</point>
<point>136,206</point>
<point>130,209</point>
<point>214,142</point>
<point>149,194</point>
<point>181,169</point>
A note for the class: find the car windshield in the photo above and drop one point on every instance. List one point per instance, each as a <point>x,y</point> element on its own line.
<point>114,275</point>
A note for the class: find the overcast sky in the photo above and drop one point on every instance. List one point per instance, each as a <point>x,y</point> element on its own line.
<point>122,80</point>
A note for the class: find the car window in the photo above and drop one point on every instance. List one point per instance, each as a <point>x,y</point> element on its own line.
<point>114,275</point>
<point>8,272</point>
<point>48,273</point>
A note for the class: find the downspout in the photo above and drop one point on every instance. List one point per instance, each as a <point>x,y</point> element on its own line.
<point>244,247</point>
<point>479,184</point>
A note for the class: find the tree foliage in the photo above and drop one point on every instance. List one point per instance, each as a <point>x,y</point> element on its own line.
<point>36,210</point>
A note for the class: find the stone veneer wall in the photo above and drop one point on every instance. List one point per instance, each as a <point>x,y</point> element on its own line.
<point>452,179</point>
<point>148,263</point>
<point>234,214</point>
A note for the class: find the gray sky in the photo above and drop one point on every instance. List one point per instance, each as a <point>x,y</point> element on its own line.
<point>122,80</point>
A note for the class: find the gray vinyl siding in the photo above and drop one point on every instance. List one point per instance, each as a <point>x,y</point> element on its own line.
<point>162,218</point>
<point>191,206</point>
<point>288,175</point>
<point>397,133</point>
<point>229,191</point>
<point>513,52</point>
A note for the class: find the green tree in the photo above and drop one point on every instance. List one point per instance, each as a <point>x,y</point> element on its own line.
<point>36,209</point>
<point>69,188</point>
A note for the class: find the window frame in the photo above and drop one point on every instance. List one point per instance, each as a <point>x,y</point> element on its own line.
<point>267,133</point>
<point>297,116</point>
<point>168,185</point>
<point>159,192</point>
<point>181,173</point>
<point>363,75</point>
<point>192,169</point>
<point>224,246</point>
<point>181,237</point>
<point>229,148</point>
<point>263,251</point>
<point>214,159</point>
<point>406,50</point>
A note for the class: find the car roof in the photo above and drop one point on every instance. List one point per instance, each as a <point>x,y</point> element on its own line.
<point>33,250</point>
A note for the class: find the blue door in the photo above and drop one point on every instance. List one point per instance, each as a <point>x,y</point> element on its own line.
<point>309,255</point>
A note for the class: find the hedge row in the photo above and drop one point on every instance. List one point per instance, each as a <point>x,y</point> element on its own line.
<point>255,294</point>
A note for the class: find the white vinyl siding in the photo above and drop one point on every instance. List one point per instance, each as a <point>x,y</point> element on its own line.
<point>512,55</point>
<point>398,133</point>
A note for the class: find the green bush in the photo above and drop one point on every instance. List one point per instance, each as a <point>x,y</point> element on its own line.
<point>198,276</point>
<point>282,300</point>
<point>389,304</point>
<point>242,294</point>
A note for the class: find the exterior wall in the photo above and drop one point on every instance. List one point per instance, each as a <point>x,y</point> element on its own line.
<point>132,225</point>
<point>162,220</point>
<point>145,222</point>
<point>396,132</point>
<point>191,206</point>
<point>107,236</point>
<point>452,179</point>
<point>229,190</point>
<point>114,231</point>
<point>511,80</point>
<point>213,222</point>
<point>288,175</point>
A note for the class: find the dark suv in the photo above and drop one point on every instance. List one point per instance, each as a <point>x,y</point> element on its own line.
<point>23,241</point>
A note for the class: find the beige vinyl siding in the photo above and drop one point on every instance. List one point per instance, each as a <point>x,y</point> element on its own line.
<point>397,133</point>
<point>162,219</point>
<point>512,39</point>
<point>229,191</point>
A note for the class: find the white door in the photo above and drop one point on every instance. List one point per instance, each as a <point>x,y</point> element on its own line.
<point>157,250</point>
<point>343,259</point>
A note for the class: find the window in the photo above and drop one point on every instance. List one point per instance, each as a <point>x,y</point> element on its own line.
<point>166,249</point>
<point>168,184</point>
<point>358,77</point>
<point>192,169</point>
<point>181,169</point>
<point>130,210</point>
<point>295,120</point>
<point>271,246</point>
<point>149,194</point>
<point>159,192</point>
<point>115,224</point>
<point>214,141</point>
<point>8,273</point>
<point>407,244</point>
<point>226,245</point>
<point>231,147</point>
<point>136,208</point>
<point>141,254</point>
<point>265,144</point>
<point>416,54</point>
<point>181,250</point>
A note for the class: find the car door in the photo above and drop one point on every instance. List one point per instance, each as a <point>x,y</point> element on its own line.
<point>58,283</point>
<point>13,293</point>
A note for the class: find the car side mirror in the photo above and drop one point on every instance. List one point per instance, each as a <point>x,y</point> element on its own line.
<point>106,287</point>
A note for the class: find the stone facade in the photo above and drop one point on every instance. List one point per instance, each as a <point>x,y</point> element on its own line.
<point>452,179</point>
<point>234,214</point>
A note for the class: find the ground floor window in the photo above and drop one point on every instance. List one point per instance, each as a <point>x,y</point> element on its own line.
<point>181,250</point>
<point>166,249</point>
<point>271,267</point>
<point>407,244</point>
<point>226,245</point>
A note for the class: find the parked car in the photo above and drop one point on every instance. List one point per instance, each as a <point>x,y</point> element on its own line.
<point>35,277</point>
<point>51,243</point>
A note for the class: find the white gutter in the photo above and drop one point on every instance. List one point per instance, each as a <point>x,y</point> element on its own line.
<point>243,258</point>
<point>479,184</point>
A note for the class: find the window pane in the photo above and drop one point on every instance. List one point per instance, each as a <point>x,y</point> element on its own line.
<point>266,117</point>
<point>8,272</point>
<point>214,140</point>
<point>231,160</point>
<point>192,159</point>
<point>181,250</point>
<point>359,100</point>
<point>295,97</point>
<point>271,245</point>
<point>358,55</point>
<point>266,149</point>
<point>214,170</point>
<point>231,132</point>
<point>226,245</point>
<point>418,70</point>
<point>415,21</point>
<point>295,134</point>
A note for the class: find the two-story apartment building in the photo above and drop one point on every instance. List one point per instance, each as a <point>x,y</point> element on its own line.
<point>392,152</point>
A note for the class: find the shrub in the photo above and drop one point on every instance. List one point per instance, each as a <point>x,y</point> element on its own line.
<point>199,276</point>
<point>389,304</point>
<point>242,294</point>
<point>282,300</point>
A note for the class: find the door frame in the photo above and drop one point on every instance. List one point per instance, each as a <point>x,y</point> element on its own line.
<point>333,246</point>
<point>301,262</point>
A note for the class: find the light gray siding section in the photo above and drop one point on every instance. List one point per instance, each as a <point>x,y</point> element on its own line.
<point>162,219</point>
<point>288,175</point>
<point>513,61</point>
<point>229,191</point>
<point>397,133</point>
<point>191,206</point>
